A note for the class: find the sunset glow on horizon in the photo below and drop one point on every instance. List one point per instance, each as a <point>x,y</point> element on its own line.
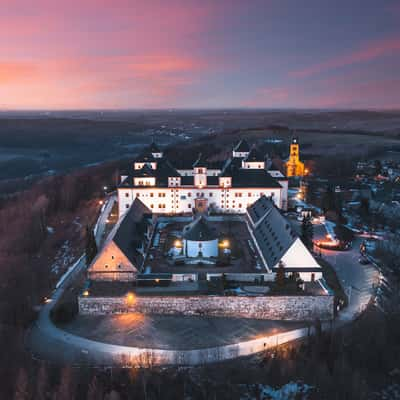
<point>98,54</point>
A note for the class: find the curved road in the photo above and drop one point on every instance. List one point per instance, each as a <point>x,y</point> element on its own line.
<point>357,280</point>
<point>51,343</point>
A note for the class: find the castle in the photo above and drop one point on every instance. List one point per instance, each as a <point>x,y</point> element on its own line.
<point>225,187</point>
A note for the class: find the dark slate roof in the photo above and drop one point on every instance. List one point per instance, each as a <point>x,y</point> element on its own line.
<point>212,180</point>
<point>242,147</point>
<point>199,230</point>
<point>145,157</point>
<point>187,180</point>
<point>153,148</point>
<point>248,177</point>
<point>129,231</point>
<point>255,156</point>
<point>216,164</point>
<point>253,178</point>
<point>163,171</point>
<point>143,172</point>
<point>273,232</point>
<point>259,209</point>
<point>200,162</point>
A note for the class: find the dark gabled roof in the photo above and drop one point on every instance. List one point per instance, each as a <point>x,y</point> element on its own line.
<point>212,180</point>
<point>153,148</point>
<point>163,171</point>
<point>143,172</point>
<point>129,231</point>
<point>199,230</point>
<point>273,232</point>
<point>187,180</point>
<point>242,147</point>
<point>200,162</point>
<point>255,156</point>
<point>253,178</point>
<point>259,209</point>
<point>145,157</point>
<point>216,164</point>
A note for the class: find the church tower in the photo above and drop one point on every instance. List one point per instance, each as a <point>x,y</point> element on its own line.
<point>294,167</point>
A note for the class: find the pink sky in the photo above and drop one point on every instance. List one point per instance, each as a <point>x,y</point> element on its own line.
<point>160,54</point>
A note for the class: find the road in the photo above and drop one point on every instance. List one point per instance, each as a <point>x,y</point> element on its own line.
<point>45,339</point>
<point>357,280</point>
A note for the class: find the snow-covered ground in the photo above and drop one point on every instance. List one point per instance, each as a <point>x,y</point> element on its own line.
<point>290,391</point>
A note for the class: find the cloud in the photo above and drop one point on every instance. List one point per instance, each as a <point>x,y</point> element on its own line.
<point>14,72</point>
<point>371,51</point>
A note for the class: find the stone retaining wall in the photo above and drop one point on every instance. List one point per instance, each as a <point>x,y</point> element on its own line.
<point>295,308</point>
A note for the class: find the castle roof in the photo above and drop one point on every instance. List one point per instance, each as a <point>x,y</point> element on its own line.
<point>199,230</point>
<point>248,177</point>
<point>255,156</point>
<point>153,148</point>
<point>163,171</point>
<point>242,147</point>
<point>200,162</point>
<point>129,231</point>
<point>145,157</point>
<point>272,231</point>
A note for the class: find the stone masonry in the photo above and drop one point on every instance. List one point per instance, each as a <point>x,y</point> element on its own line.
<point>296,308</point>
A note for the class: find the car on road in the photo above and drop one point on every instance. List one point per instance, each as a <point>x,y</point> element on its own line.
<point>333,245</point>
<point>364,261</point>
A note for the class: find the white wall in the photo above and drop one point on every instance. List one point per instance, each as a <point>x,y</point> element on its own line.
<point>177,199</point>
<point>208,248</point>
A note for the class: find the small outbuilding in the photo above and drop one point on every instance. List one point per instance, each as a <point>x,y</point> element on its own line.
<point>200,239</point>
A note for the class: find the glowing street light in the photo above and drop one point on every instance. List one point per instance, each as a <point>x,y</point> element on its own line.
<point>101,202</point>
<point>86,293</point>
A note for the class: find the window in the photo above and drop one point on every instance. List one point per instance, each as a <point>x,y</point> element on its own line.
<point>151,194</point>
<point>106,266</point>
<point>240,205</point>
<point>126,205</point>
<point>249,194</point>
<point>151,205</point>
<point>137,194</point>
<point>189,194</point>
<point>112,257</point>
<point>211,195</point>
<point>126,194</point>
<point>189,206</point>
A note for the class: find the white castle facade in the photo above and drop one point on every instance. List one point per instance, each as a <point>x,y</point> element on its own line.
<point>226,187</point>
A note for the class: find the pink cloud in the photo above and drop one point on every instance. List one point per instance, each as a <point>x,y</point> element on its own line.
<point>370,51</point>
<point>11,72</point>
